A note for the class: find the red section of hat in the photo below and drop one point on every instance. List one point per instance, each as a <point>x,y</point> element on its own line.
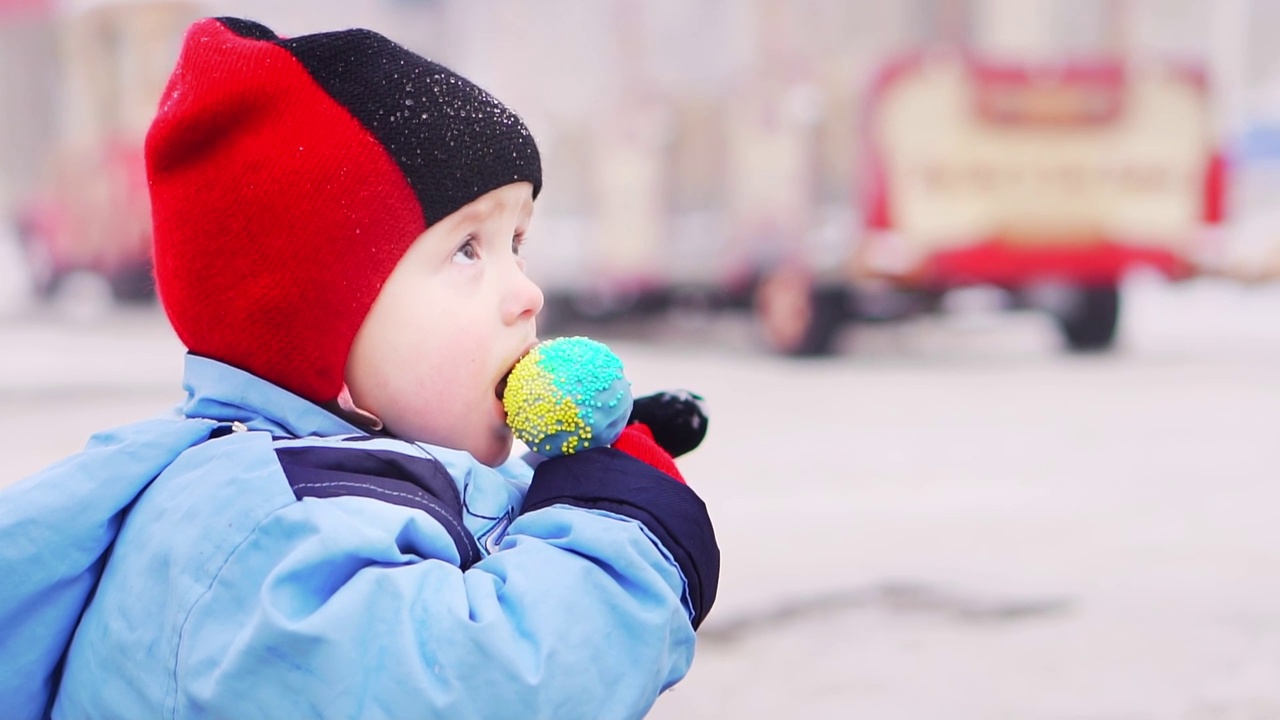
<point>277,215</point>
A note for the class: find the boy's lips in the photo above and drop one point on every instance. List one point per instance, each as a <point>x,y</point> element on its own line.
<point>501,388</point>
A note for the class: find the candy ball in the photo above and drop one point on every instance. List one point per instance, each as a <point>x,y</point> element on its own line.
<point>567,394</point>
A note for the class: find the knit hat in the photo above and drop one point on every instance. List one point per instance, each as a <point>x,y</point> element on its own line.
<point>288,176</point>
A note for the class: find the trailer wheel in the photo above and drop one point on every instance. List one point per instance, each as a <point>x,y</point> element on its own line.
<point>1089,325</point>
<point>44,274</point>
<point>134,285</point>
<point>795,316</point>
<point>558,314</point>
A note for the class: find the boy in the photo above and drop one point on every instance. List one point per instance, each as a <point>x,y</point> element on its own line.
<point>331,527</point>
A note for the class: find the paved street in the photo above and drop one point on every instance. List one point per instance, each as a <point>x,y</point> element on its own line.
<point>951,520</point>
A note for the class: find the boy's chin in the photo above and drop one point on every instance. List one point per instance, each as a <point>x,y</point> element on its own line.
<point>495,452</point>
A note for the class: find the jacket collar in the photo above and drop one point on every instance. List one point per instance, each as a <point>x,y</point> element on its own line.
<point>221,392</point>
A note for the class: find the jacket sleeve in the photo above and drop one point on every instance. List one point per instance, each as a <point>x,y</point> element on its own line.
<point>56,531</point>
<point>348,607</point>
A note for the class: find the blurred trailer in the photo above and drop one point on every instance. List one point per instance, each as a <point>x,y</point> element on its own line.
<point>89,211</point>
<point>28,66</point>
<point>1049,182</point>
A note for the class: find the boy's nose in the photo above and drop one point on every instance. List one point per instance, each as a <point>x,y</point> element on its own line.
<point>524,300</point>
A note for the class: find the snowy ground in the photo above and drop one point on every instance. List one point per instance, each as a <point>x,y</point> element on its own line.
<point>950,520</point>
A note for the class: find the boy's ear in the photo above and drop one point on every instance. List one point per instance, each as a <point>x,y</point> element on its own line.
<point>358,415</point>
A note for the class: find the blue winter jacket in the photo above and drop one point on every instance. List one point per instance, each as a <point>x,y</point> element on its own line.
<point>255,556</point>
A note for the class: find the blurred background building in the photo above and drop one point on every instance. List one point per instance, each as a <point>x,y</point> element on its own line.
<point>952,524</point>
<point>686,144</point>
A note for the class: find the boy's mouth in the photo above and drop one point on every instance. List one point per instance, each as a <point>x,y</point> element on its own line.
<point>501,388</point>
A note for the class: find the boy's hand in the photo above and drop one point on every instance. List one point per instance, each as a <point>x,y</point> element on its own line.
<point>637,441</point>
<point>676,420</point>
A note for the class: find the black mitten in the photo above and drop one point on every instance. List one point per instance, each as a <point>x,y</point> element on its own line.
<point>677,418</point>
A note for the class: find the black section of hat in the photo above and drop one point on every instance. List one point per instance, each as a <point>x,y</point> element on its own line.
<point>248,29</point>
<point>451,139</point>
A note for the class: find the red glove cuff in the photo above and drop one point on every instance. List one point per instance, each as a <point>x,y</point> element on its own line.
<point>637,441</point>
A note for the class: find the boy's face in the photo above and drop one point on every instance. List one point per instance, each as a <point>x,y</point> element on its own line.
<point>453,317</point>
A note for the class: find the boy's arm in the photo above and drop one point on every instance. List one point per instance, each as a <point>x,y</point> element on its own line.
<point>637,482</point>
<point>587,610</point>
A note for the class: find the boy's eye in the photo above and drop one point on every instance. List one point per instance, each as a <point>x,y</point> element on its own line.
<point>468,252</point>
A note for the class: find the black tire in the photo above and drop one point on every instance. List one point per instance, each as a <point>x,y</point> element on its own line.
<point>46,279</point>
<point>1090,325</point>
<point>798,318</point>
<point>830,311</point>
<point>134,286</point>
<point>46,287</point>
<point>558,315</point>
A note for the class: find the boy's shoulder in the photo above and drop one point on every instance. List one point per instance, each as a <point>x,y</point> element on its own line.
<point>383,469</point>
<point>57,527</point>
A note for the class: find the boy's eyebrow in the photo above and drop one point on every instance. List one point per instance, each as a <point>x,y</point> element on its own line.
<point>483,209</point>
<point>472,212</point>
<point>477,210</point>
